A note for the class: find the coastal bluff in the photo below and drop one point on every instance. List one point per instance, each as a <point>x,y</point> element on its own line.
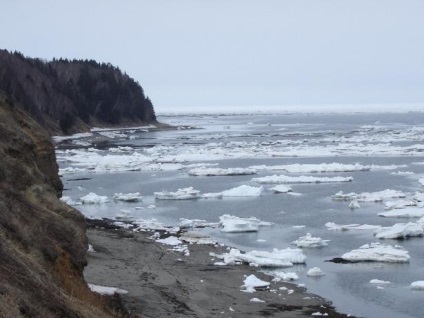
<point>42,240</point>
<point>69,96</point>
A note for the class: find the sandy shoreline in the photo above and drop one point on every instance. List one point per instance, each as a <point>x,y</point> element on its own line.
<point>165,283</point>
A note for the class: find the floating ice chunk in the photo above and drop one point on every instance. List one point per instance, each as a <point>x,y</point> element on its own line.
<point>315,272</point>
<point>70,170</point>
<point>368,196</point>
<point>128,197</point>
<point>399,204</point>
<point>400,230</point>
<point>300,179</point>
<point>221,172</point>
<point>103,290</point>
<point>93,198</point>
<point>421,181</point>
<point>281,188</point>
<point>234,224</point>
<point>346,227</point>
<point>283,276</point>
<point>418,285</point>
<point>318,313</point>
<point>112,134</point>
<point>403,173</point>
<point>187,223</point>
<point>243,191</point>
<point>180,194</point>
<point>309,241</point>
<point>193,237</point>
<point>90,249</point>
<point>276,258</point>
<point>376,252</point>
<point>379,282</point>
<point>257,300</point>
<point>252,283</point>
<point>354,205</point>
<point>312,168</point>
<point>412,212</point>
<point>68,200</point>
<point>170,240</point>
<point>212,195</point>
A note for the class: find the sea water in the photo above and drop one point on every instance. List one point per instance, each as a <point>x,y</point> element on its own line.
<point>394,141</point>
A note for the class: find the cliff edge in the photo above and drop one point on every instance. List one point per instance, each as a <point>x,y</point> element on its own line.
<point>69,96</point>
<point>42,240</point>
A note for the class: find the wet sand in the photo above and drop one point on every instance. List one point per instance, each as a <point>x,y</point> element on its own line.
<point>165,283</point>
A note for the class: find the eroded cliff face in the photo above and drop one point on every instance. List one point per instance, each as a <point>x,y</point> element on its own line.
<point>42,240</point>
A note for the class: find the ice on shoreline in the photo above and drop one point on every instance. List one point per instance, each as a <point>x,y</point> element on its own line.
<point>300,179</point>
<point>277,258</point>
<point>104,290</point>
<point>376,252</point>
<point>251,283</point>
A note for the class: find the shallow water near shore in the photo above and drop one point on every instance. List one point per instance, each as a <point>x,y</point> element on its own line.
<point>393,141</point>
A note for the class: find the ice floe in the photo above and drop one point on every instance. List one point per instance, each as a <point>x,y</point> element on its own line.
<point>400,230</point>
<point>93,198</point>
<point>345,227</point>
<point>309,241</point>
<point>252,283</point>
<point>315,272</point>
<point>181,194</point>
<point>300,179</point>
<point>243,191</point>
<point>128,197</point>
<point>417,285</point>
<point>276,258</point>
<point>283,276</point>
<point>315,168</point>
<point>354,204</point>
<point>221,172</point>
<point>234,224</point>
<point>378,281</point>
<point>376,252</point>
<point>281,188</point>
<point>368,196</point>
<point>411,212</point>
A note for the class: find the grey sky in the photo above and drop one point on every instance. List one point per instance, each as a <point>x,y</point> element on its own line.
<point>236,52</point>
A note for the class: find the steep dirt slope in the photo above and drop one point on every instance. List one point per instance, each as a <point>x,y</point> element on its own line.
<point>42,240</point>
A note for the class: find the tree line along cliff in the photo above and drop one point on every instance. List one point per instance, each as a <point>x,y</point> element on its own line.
<point>68,96</point>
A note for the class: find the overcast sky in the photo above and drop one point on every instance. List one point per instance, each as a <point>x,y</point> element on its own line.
<point>200,53</point>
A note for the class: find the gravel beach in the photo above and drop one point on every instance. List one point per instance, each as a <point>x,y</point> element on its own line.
<point>165,283</point>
